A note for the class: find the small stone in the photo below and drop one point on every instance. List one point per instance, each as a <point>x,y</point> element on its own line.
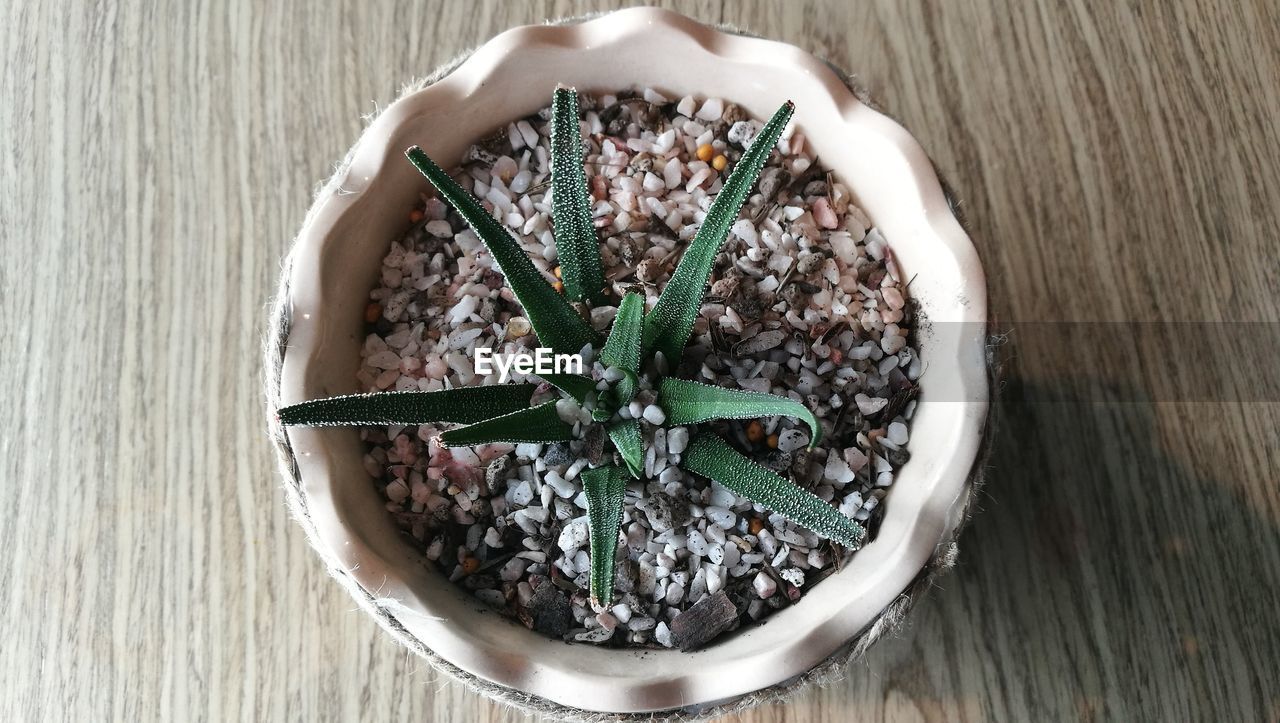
<point>522,494</point>
<point>793,575</point>
<point>492,538</point>
<point>772,180</point>
<point>742,133</point>
<point>711,109</point>
<point>675,593</point>
<point>513,569</point>
<point>677,440</point>
<point>724,288</point>
<point>517,327</point>
<point>498,471</point>
<point>574,535</point>
<point>654,414</point>
<point>557,454</point>
<point>643,623</point>
<point>809,263</point>
<point>733,113</point>
<point>563,487</point>
<point>790,440</point>
<point>397,491</point>
<point>649,270</point>
<point>869,405</point>
<point>897,433</point>
<point>662,634</point>
<point>837,470</point>
<point>823,215</point>
<point>439,229</point>
<point>764,585</point>
<point>720,517</point>
<point>892,342</point>
<point>594,635</point>
<point>568,410</point>
<point>696,543</point>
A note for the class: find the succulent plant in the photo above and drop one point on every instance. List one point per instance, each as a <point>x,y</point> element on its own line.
<point>639,357</point>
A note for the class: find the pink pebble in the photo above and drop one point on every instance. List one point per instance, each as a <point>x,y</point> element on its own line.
<point>823,214</point>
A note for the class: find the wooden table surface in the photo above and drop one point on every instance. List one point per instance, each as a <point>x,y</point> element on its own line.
<point>1117,164</point>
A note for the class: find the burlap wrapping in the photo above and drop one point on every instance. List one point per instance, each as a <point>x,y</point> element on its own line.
<point>829,671</point>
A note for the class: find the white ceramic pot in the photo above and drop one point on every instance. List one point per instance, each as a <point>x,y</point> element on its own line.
<point>337,258</point>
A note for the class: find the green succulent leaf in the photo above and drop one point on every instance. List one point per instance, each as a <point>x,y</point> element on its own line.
<point>712,457</point>
<point>577,245</point>
<point>535,424</point>
<point>629,441</point>
<point>606,489</point>
<point>622,349</point>
<point>556,323</point>
<point>463,405</point>
<point>686,402</point>
<point>668,325</point>
<point>575,385</point>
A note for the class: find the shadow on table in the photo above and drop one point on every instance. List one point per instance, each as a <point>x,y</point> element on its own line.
<point>1102,576</point>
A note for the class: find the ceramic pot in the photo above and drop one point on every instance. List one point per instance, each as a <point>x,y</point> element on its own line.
<point>336,260</point>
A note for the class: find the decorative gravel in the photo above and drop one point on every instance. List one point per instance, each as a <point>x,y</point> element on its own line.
<point>806,301</point>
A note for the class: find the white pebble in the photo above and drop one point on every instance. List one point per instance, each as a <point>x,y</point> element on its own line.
<point>792,439</point>
<point>677,440</point>
<point>662,634</point>
<point>527,132</point>
<point>521,494</point>
<point>837,470</point>
<point>764,585</point>
<point>711,109</point>
<point>869,405</point>
<point>654,414</point>
<point>897,433</point>
<point>574,535</point>
<point>696,543</point>
<point>439,229</point>
<point>513,570</point>
<point>720,517</point>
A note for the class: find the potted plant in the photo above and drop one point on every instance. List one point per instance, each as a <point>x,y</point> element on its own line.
<point>610,448</point>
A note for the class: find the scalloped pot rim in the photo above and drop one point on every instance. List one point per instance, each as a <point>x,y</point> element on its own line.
<point>336,260</point>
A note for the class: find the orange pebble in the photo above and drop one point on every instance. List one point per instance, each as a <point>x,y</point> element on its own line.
<point>470,565</point>
<point>372,312</point>
<point>416,215</point>
<point>755,432</point>
<point>705,152</point>
<point>773,441</point>
<point>755,525</point>
<point>558,286</point>
<point>719,163</point>
<point>558,273</point>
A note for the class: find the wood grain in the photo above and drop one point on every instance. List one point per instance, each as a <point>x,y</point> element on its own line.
<point>1118,162</point>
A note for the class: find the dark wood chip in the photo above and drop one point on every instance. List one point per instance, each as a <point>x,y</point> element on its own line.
<point>701,623</point>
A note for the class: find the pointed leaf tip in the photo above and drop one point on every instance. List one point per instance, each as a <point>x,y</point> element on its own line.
<point>555,322</point>
<point>668,325</point>
<point>463,405</point>
<point>577,245</point>
<point>686,402</point>
<point>628,439</point>
<point>712,457</point>
<point>535,424</point>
